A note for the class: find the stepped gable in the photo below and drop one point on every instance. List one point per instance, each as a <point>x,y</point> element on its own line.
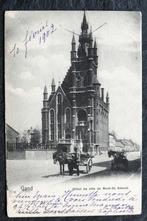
<point>67,82</point>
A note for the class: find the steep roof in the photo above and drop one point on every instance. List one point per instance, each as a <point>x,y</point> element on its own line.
<point>11,128</point>
<point>53,96</point>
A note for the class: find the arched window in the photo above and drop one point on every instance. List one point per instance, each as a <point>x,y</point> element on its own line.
<point>52,124</point>
<point>82,116</point>
<point>59,100</point>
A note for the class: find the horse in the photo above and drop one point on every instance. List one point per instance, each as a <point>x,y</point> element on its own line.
<point>69,159</point>
<point>62,159</point>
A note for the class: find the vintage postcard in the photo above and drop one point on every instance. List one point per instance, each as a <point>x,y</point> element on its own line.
<point>73,91</point>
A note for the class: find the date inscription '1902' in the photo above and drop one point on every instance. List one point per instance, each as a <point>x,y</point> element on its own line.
<point>39,35</point>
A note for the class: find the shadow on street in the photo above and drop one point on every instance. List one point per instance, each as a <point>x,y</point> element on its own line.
<point>66,173</point>
<point>134,168</point>
<point>104,170</point>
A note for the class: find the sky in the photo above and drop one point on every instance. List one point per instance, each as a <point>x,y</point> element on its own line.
<point>33,58</point>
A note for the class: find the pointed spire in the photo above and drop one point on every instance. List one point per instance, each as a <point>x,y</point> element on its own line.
<point>95,44</point>
<point>53,82</point>
<point>45,90</point>
<point>84,25</point>
<point>107,98</point>
<point>73,47</point>
<point>53,85</point>
<point>45,93</point>
<point>73,39</point>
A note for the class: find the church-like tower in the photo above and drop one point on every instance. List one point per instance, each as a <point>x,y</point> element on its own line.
<point>80,108</point>
<point>45,129</point>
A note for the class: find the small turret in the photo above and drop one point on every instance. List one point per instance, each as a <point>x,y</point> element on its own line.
<point>45,131</point>
<point>45,97</point>
<point>95,53</point>
<point>73,43</point>
<point>45,93</point>
<point>107,98</point>
<point>95,44</point>
<point>53,86</point>
<point>73,49</point>
<point>90,49</point>
<point>102,94</point>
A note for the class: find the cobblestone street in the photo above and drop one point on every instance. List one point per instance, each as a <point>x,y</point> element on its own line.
<point>21,172</point>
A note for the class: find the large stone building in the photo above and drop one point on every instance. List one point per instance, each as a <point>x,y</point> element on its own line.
<point>78,109</point>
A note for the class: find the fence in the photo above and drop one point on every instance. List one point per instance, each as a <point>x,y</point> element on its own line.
<point>26,146</point>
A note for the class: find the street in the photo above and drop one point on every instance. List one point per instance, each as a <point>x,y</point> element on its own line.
<point>44,171</point>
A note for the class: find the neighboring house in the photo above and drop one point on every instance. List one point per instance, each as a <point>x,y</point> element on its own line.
<point>78,109</point>
<point>12,137</point>
<point>137,147</point>
<point>122,144</point>
<point>130,146</point>
<point>127,144</point>
<point>112,141</point>
<point>119,146</point>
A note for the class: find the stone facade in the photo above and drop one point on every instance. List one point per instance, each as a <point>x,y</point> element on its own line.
<point>78,109</point>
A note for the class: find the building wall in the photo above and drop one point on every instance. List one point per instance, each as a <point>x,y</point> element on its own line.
<point>65,127</point>
<point>11,135</point>
<point>101,126</point>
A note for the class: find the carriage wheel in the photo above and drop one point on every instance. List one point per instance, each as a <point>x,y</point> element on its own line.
<point>90,165</point>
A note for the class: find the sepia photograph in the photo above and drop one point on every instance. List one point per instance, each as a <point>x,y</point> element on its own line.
<point>73,125</point>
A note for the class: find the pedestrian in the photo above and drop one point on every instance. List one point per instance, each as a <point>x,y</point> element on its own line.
<point>77,160</point>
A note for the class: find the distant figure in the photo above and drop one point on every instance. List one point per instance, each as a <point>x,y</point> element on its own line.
<point>81,146</point>
<point>72,146</point>
<point>77,159</point>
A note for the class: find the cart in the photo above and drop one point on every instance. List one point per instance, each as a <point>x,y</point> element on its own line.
<point>66,148</point>
<point>86,160</point>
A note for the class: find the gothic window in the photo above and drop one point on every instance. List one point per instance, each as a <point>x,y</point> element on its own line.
<point>52,124</point>
<point>82,116</point>
<point>59,99</point>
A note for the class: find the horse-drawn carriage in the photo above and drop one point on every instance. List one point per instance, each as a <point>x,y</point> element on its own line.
<point>70,153</point>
